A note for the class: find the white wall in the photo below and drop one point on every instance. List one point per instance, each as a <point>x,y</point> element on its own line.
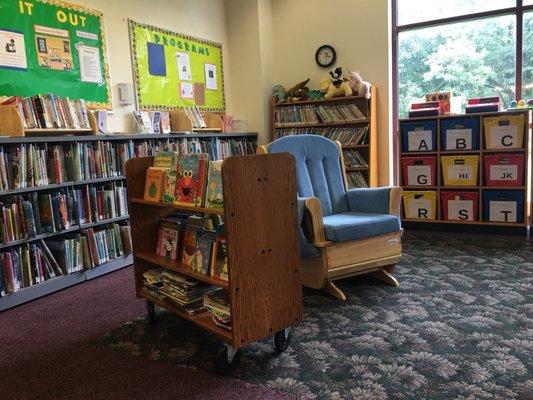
<point>357,29</point>
<point>202,18</point>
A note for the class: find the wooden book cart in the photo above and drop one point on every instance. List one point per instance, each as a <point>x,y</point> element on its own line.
<point>260,215</point>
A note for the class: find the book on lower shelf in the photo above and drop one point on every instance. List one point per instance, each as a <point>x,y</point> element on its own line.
<point>37,213</point>
<point>184,292</point>
<point>347,136</point>
<point>218,305</point>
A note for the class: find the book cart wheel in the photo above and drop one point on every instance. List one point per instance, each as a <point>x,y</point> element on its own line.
<point>150,313</point>
<point>227,360</point>
<point>282,339</point>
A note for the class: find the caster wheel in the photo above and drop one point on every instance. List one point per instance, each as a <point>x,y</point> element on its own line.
<point>150,313</point>
<point>282,339</point>
<point>224,363</point>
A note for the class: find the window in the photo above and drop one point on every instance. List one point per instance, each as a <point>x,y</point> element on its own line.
<point>413,11</point>
<point>527,70</point>
<point>468,47</point>
<point>474,58</point>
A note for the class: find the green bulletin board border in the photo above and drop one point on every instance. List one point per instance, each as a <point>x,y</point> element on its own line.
<point>136,79</point>
<point>100,15</point>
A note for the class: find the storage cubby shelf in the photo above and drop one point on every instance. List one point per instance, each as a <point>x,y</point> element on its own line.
<point>481,187</point>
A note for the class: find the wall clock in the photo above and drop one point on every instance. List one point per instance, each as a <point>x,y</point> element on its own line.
<point>325,56</point>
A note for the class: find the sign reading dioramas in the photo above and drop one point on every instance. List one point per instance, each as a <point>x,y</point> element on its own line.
<point>173,70</point>
<point>52,46</point>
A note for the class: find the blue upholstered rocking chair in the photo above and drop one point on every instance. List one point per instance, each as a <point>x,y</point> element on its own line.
<point>354,231</point>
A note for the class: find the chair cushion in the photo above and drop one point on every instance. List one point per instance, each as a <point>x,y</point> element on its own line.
<point>351,225</point>
<point>318,169</point>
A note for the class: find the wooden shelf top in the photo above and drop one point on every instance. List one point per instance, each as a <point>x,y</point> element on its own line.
<point>58,130</point>
<point>202,319</point>
<point>354,146</point>
<point>122,136</point>
<point>321,101</point>
<point>465,115</point>
<point>176,266</point>
<point>320,124</point>
<point>202,210</point>
<point>440,221</point>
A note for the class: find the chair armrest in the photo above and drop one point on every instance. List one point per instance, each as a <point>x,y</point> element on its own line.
<point>383,200</point>
<point>313,222</point>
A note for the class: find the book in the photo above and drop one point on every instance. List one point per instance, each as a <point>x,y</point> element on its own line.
<point>219,267</point>
<point>190,244</point>
<point>214,198</point>
<point>168,239</point>
<point>207,242</point>
<point>190,179</point>
<point>153,187</point>
<point>165,122</point>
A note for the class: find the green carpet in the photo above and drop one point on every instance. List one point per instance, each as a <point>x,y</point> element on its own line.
<point>459,326</point>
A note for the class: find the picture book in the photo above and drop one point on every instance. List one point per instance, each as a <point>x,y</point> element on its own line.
<point>165,122</point>
<point>153,187</point>
<point>219,267</point>
<point>169,186</point>
<point>204,253</point>
<point>190,179</point>
<point>168,239</point>
<point>213,198</point>
<point>165,159</point>
<point>191,235</point>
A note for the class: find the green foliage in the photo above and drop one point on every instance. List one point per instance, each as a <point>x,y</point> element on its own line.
<point>469,59</point>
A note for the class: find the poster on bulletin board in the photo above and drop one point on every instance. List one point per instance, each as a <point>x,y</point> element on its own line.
<point>173,70</point>
<point>53,46</point>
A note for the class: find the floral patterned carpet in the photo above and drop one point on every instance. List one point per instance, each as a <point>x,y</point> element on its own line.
<point>459,326</point>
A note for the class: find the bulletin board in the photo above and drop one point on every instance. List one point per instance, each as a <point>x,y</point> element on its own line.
<point>53,46</point>
<point>172,70</point>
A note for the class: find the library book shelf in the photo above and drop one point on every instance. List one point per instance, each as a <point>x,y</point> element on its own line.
<point>358,136</point>
<point>457,141</point>
<point>138,145</point>
<point>260,220</point>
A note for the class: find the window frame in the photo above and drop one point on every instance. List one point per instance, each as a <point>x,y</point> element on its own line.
<point>518,11</point>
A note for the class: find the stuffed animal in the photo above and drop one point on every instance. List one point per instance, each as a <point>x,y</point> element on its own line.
<point>335,86</point>
<point>300,91</point>
<point>278,92</point>
<point>315,95</point>
<point>358,85</point>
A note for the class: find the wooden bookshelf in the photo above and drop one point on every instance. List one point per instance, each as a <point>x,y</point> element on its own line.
<point>368,149</point>
<point>180,121</point>
<point>11,125</point>
<point>9,120</point>
<point>261,234</point>
<point>480,186</point>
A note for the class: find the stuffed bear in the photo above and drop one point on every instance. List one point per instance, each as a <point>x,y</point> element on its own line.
<point>335,86</point>
<point>358,85</point>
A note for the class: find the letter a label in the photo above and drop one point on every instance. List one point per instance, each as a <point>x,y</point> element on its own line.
<point>420,141</point>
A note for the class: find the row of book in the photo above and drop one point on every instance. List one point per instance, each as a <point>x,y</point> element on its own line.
<point>218,305</point>
<point>35,263</point>
<point>28,216</point>
<point>310,114</point>
<point>356,179</point>
<point>185,179</point>
<point>51,111</point>
<point>152,121</point>
<point>39,164</point>
<point>347,136</point>
<point>197,243</point>
<point>196,117</point>
<point>354,159</point>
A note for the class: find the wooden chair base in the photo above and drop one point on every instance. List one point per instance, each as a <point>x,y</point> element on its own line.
<point>385,276</point>
<point>334,290</point>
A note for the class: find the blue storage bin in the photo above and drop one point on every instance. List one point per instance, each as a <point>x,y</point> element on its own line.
<point>419,135</point>
<point>455,135</point>
<point>506,206</point>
